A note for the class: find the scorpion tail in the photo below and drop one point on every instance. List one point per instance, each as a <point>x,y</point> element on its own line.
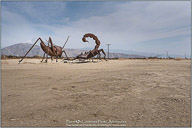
<point>94,38</point>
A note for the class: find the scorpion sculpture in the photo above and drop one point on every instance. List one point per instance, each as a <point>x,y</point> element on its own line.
<point>93,52</point>
<point>54,50</point>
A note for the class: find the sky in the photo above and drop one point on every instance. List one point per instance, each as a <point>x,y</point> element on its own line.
<point>142,26</point>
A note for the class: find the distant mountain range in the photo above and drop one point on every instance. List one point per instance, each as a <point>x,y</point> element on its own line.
<point>129,52</point>
<point>21,48</point>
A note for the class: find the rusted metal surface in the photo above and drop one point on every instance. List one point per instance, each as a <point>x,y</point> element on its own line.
<point>54,50</point>
<point>93,52</point>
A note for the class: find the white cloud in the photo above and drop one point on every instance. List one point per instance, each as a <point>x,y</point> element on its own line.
<point>129,26</point>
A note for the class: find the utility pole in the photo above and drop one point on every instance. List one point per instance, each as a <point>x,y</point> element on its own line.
<point>185,56</point>
<point>167,55</point>
<point>108,49</point>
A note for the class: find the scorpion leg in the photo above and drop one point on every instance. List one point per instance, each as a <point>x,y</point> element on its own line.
<point>99,54</point>
<point>101,50</point>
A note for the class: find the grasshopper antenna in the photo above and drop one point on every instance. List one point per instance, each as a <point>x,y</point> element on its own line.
<point>66,41</point>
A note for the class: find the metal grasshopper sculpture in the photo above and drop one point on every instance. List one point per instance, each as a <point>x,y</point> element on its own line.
<point>54,50</point>
<point>93,52</point>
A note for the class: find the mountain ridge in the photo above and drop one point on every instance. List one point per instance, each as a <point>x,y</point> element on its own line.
<point>146,54</point>
<point>21,48</point>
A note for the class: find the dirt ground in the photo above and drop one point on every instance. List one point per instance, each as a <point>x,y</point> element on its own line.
<point>132,93</point>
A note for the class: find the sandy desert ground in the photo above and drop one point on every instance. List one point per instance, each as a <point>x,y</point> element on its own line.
<point>132,92</point>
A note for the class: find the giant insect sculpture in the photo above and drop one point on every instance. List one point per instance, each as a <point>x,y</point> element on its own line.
<point>54,50</point>
<point>93,52</point>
